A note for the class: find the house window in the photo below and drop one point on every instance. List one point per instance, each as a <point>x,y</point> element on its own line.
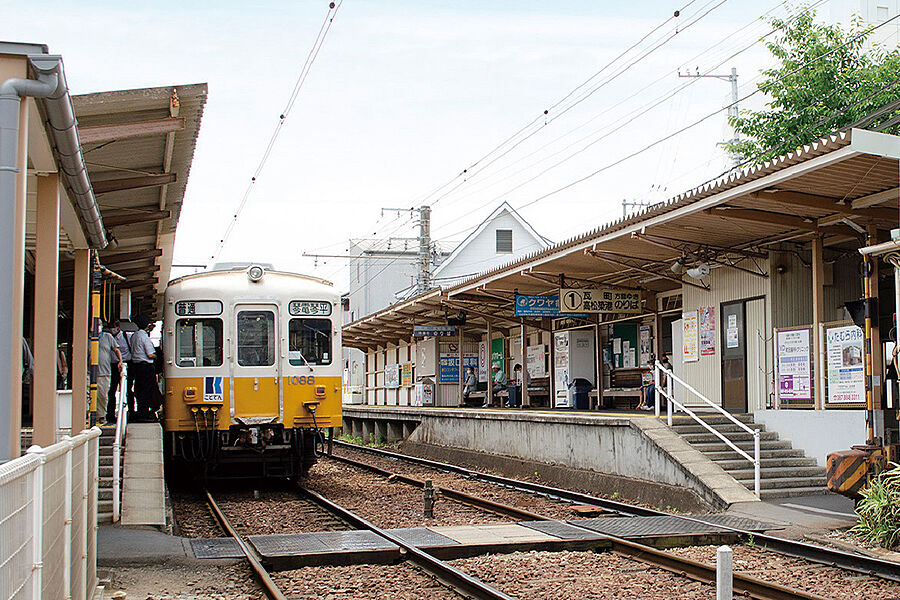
<point>882,13</point>
<point>504,241</point>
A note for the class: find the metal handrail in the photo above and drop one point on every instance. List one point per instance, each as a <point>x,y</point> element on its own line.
<point>670,396</point>
<point>121,424</point>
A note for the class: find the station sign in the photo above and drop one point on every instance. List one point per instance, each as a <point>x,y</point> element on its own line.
<point>539,306</point>
<point>423,331</point>
<point>599,300</point>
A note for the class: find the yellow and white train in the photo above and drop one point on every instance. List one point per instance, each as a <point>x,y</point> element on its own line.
<point>253,371</point>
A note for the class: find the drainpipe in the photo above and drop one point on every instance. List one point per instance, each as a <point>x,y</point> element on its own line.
<point>11,93</point>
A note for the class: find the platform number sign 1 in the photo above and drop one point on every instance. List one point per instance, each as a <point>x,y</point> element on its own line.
<point>212,389</point>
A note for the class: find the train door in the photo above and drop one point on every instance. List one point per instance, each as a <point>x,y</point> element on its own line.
<point>255,372</point>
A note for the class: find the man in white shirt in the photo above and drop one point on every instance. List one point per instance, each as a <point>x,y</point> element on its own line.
<point>143,354</point>
<point>109,349</point>
<point>116,374</point>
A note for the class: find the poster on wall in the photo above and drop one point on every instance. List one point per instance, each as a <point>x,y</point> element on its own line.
<point>846,371</point>
<point>449,366</point>
<point>561,368</point>
<point>534,362</point>
<point>482,362</point>
<point>707,330</point>
<point>644,342</point>
<point>690,334</point>
<point>406,378</point>
<point>515,350</point>
<point>794,368</point>
<point>392,376</point>
<point>497,357</point>
<point>731,333</point>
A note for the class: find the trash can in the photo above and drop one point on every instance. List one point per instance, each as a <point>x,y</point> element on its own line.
<point>579,391</point>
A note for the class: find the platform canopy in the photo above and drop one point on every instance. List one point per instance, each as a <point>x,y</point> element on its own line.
<point>139,145</point>
<point>840,188</point>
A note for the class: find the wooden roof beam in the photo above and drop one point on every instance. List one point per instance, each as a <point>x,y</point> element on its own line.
<point>830,204</point>
<point>121,257</point>
<point>132,183</point>
<point>94,134</point>
<point>118,219</point>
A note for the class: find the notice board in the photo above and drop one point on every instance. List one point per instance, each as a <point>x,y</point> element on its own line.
<point>624,339</point>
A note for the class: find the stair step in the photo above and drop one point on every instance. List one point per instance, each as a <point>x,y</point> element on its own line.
<point>104,518</point>
<point>737,436</point>
<point>792,492</point>
<point>105,494</point>
<point>711,418</point>
<point>784,482</point>
<point>745,446</point>
<point>694,427</point>
<point>777,473</point>
<point>766,463</point>
<point>764,454</point>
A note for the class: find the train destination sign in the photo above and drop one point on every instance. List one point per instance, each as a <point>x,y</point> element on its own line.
<point>434,331</point>
<point>309,308</point>
<point>599,300</point>
<point>196,308</point>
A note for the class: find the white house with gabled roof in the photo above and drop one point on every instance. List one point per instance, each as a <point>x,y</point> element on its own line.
<point>502,237</point>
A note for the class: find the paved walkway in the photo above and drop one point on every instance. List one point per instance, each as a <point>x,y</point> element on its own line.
<point>143,487</point>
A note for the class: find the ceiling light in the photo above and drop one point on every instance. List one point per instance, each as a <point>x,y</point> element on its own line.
<point>678,266</point>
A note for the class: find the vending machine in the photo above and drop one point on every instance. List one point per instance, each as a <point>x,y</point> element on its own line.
<point>574,357</point>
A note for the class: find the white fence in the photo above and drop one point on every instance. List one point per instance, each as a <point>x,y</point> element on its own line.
<point>48,521</point>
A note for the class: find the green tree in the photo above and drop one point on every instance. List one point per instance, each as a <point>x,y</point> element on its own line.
<point>826,80</point>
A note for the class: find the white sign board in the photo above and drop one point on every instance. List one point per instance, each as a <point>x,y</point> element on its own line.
<point>846,369</point>
<point>482,361</point>
<point>690,337</point>
<point>535,363</point>
<point>794,368</point>
<point>392,376</point>
<point>599,300</point>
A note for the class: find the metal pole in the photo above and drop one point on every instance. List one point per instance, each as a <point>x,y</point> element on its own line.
<point>870,393</point>
<point>656,382</point>
<point>423,282</point>
<point>461,372</point>
<point>756,462</point>
<point>670,402</point>
<point>724,573</point>
<point>524,400</point>
<point>489,393</point>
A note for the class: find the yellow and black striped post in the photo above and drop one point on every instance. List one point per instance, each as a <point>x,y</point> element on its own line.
<point>870,392</point>
<point>846,471</point>
<point>96,283</point>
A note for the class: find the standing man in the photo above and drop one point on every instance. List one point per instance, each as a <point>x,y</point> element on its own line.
<point>109,354</point>
<point>142,355</point>
<point>116,374</point>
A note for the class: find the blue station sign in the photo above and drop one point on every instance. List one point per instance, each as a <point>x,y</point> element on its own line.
<point>540,306</point>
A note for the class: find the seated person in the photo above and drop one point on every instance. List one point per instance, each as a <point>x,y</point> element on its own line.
<point>499,379</point>
<point>471,382</point>
<point>648,388</point>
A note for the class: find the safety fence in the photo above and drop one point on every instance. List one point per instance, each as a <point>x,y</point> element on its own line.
<point>48,520</point>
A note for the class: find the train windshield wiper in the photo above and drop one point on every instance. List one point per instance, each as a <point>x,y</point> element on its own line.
<point>303,358</point>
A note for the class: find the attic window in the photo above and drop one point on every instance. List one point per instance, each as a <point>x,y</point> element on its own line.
<point>504,241</point>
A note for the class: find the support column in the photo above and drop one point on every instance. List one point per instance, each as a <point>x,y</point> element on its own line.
<point>462,368</point>
<point>526,401</point>
<point>877,358</point>
<point>490,365</point>
<point>46,287</point>
<point>12,274</point>
<point>818,294</point>
<point>81,318</point>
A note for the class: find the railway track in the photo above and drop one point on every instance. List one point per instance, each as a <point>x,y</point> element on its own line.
<point>750,586</point>
<point>818,554</point>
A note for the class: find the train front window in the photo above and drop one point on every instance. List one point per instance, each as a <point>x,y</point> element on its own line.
<point>309,339</point>
<point>198,342</point>
<point>256,338</point>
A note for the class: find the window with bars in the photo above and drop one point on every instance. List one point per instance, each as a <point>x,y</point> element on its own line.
<point>504,241</point>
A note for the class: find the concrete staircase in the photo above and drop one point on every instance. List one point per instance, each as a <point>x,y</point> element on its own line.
<point>784,471</point>
<point>104,501</point>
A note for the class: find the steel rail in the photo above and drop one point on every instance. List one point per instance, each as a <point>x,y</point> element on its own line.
<point>457,495</point>
<point>451,576</point>
<point>271,587</point>
<point>858,563</point>
<point>699,571</point>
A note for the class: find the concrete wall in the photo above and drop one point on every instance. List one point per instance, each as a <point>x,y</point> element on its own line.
<point>816,432</point>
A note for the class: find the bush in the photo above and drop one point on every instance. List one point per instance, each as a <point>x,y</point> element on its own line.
<point>879,510</point>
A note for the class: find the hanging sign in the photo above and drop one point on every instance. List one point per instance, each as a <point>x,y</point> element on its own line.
<point>433,331</point>
<point>599,300</point>
<point>483,368</point>
<point>707,330</point>
<point>794,368</point>
<point>690,343</point>
<point>534,361</point>
<point>846,371</point>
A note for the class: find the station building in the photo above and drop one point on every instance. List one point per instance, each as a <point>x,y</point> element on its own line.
<point>749,284</point>
<point>91,189</point>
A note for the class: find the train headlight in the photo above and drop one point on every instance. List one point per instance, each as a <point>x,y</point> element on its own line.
<point>255,273</point>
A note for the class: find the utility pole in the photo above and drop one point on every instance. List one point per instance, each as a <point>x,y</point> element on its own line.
<point>736,157</point>
<point>423,258</point>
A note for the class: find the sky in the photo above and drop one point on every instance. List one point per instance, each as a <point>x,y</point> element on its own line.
<point>405,95</point>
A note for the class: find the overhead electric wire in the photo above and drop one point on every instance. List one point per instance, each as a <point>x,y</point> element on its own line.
<point>295,92</point>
